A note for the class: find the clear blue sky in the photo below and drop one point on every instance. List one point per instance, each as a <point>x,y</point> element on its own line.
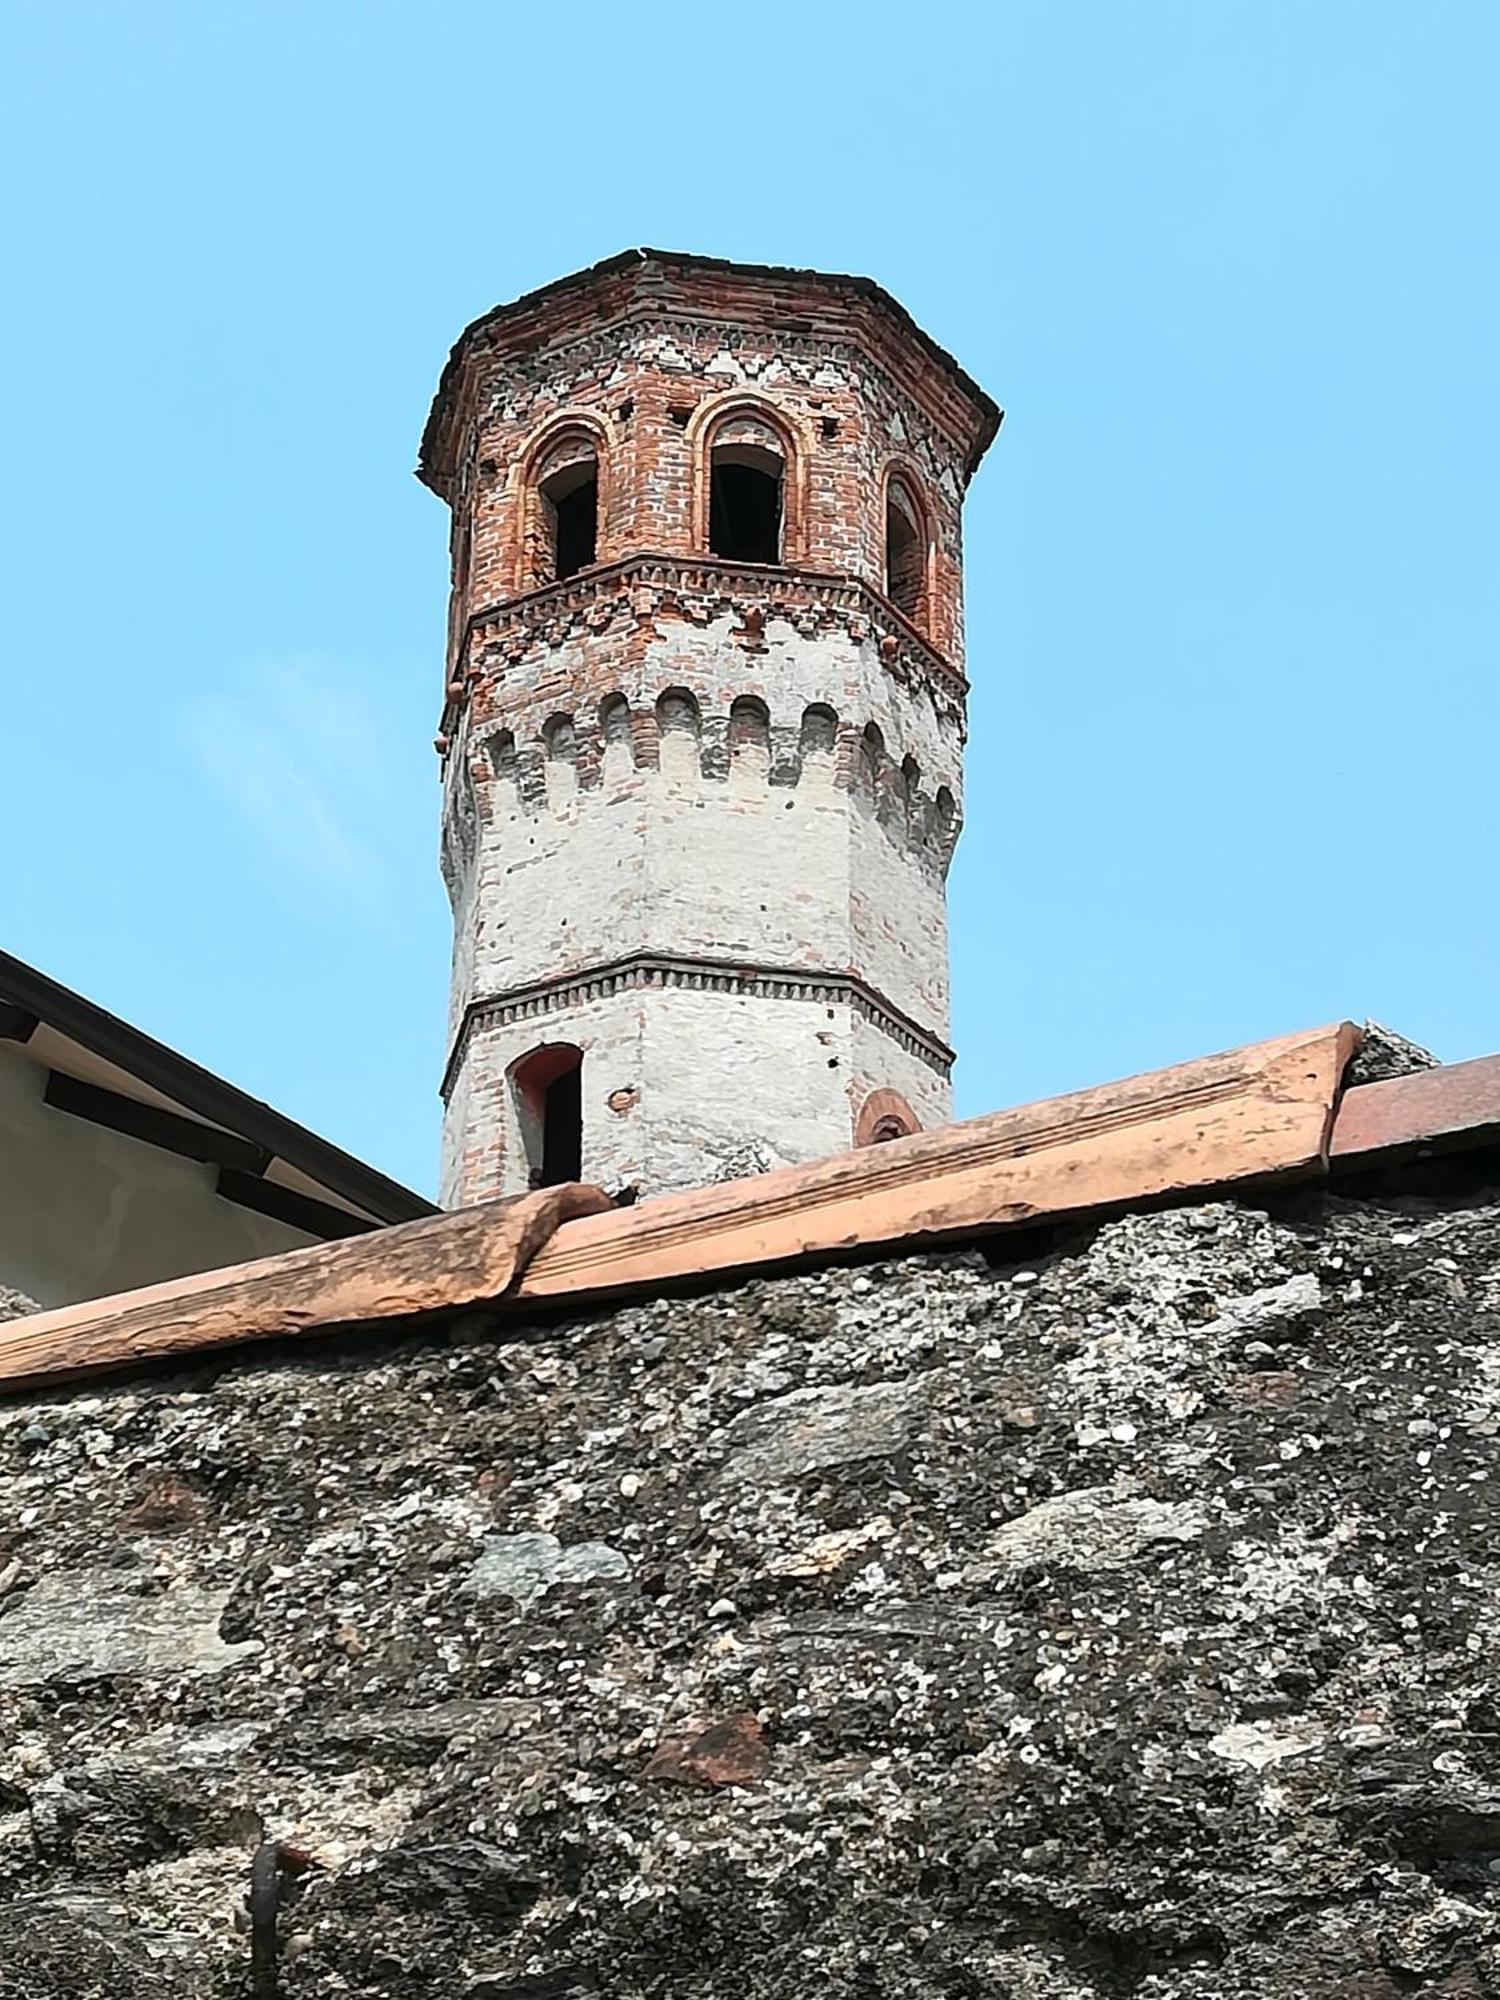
<point>1233,602</point>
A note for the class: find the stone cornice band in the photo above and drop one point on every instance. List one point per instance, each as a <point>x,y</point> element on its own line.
<point>698,585</point>
<point>706,975</point>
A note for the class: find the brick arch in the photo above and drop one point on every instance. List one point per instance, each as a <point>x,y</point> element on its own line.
<point>885,1114</point>
<point>559,735</point>
<point>903,491</point>
<point>945,822</point>
<point>678,716</point>
<point>715,415</point>
<point>544,453</point>
<point>545,1088</point>
<point>873,763</point>
<point>819,730</point>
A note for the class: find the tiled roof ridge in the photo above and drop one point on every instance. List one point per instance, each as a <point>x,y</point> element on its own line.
<point>1273,1111</point>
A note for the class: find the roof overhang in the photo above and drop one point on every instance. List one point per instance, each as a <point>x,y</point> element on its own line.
<point>550,313</point>
<point>100,1068</point>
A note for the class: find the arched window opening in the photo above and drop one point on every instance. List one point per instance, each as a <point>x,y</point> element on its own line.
<point>819,729</point>
<point>548,1090</point>
<point>885,1115</point>
<point>615,733</point>
<point>749,725</point>
<point>944,825</point>
<point>872,759</point>
<point>905,551</point>
<point>749,742</point>
<point>567,511</point>
<point>502,749</point>
<point>679,727</point>
<point>746,473</point>
<point>614,719</point>
<point>559,737</point>
<point>677,712</point>
<point>560,761</point>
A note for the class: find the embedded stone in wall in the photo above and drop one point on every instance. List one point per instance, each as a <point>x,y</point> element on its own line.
<point>1083,1631</point>
<point>78,1625</point>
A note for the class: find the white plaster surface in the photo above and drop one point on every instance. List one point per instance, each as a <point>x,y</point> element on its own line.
<point>572,848</point>
<point>721,1084</point>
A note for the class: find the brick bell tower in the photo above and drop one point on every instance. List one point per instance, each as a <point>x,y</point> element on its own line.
<point>702,740</point>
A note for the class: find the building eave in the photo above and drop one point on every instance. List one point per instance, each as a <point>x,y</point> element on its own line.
<point>175,1088</point>
<point>434,466</point>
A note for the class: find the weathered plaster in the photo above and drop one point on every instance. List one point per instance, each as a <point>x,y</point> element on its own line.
<point>1116,1623</point>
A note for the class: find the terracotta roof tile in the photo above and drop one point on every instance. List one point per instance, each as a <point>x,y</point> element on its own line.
<point>443,1262</point>
<point>1429,1111</point>
<point>1253,1114</point>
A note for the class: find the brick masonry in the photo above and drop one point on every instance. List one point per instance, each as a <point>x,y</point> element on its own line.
<point>697,815</point>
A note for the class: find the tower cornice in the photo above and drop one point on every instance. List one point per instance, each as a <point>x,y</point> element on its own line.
<point>820,986</point>
<point>698,588</point>
<point>645,283</point>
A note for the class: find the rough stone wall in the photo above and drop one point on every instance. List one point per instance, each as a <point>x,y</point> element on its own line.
<point>1117,1625</point>
<point>785,810</point>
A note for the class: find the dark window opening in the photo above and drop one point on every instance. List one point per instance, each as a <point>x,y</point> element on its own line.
<point>744,504</point>
<point>570,518</point>
<point>903,556</point>
<point>548,1086</point>
<point>886,1115</point>
<point>562,1129</point>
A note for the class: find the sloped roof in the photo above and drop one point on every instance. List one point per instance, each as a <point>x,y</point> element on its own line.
<point>103,1069</point>
<point>1273,1112</point>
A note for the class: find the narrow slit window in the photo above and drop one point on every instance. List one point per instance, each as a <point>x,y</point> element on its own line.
<point>548,1087</point>
<point>905,553</point>
<point>569,523</point>
<point>745,503</point>
<point>562,1128</point>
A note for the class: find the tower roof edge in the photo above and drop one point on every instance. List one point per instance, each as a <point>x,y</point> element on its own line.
<point>528,318</point>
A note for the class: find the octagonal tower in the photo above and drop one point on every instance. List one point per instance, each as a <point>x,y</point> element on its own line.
<point>703,731</point>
